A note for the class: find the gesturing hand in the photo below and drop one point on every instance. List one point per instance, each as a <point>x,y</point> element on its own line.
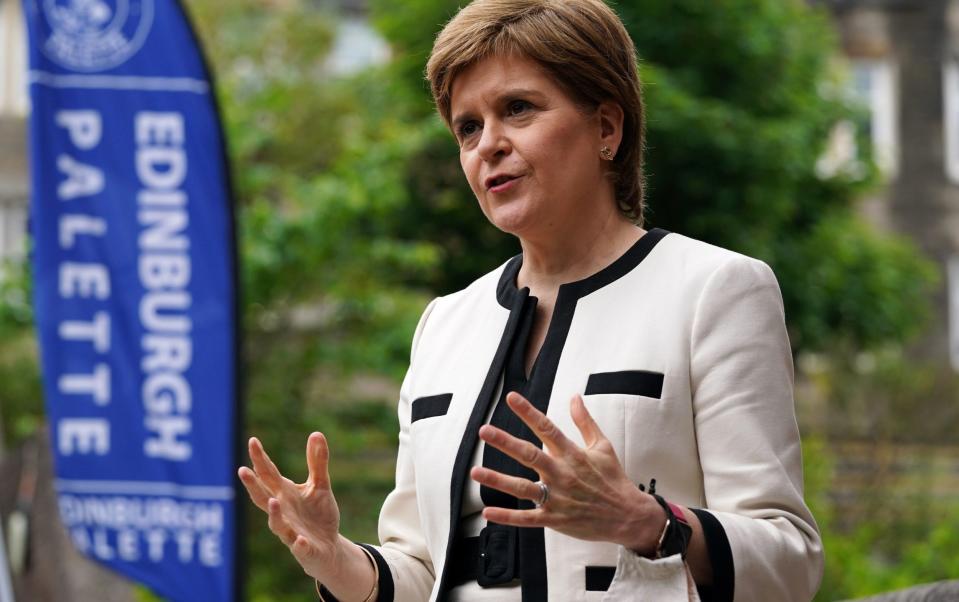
<point>590,495</point>
<point>303,515</point>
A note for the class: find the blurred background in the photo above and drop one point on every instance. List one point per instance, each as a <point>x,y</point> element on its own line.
<point>821,137</point>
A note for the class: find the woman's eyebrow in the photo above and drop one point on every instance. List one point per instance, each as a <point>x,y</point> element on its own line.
<point>501,97</point>
<point>511,93</point>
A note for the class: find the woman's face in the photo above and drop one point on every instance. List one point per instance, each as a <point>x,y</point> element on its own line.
<point>530,154</point>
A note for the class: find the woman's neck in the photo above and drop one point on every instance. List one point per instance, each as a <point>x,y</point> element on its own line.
<point>563,257</point>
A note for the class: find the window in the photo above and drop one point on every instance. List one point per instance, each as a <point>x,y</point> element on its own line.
<point>950,92</point>
<point>841,155</point>
<point>13,60</point>
<point>873,87</point>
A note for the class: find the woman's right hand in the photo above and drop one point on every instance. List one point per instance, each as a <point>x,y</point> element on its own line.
<point>303,515</point>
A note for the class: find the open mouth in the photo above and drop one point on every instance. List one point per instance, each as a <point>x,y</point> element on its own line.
<point>499,181</point>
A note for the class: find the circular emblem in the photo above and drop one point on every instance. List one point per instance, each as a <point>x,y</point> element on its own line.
<point>93,35</point>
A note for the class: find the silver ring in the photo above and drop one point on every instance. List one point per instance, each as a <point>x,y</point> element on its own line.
<point>544,494</point>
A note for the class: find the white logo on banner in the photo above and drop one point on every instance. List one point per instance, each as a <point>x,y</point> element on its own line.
<point>94,35</point>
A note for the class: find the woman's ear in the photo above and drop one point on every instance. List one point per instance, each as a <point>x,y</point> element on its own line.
<point>610,124</point>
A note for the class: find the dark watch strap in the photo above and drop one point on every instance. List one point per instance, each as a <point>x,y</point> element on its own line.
<point>678,532</point>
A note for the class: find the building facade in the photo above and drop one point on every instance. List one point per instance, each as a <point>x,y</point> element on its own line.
<point>904,61</point>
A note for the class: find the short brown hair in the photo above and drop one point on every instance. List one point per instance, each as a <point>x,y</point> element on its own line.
<point>581,44</point>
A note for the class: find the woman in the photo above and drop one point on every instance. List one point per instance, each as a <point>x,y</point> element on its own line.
<point>543,398</point>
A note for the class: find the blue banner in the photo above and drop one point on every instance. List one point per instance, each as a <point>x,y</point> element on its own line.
<point>134,275</point>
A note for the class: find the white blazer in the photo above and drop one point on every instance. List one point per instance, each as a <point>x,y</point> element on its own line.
<point>719,433</point>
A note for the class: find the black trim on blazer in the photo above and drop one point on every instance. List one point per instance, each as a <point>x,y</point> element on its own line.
<point>598,578</point>
<point>471,435</point>
<point>532,542</point>
<point>514,379</point>
<point>506,288</point>
<point>627,382</point>
<point>385,583</point>
<point>430,406</point>
<point>721,558</point>
<point>619,268</point>
<point>386,593</point>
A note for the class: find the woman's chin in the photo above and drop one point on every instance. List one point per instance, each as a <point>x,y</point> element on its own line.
<point>521,229</point>
<point>521,224</point>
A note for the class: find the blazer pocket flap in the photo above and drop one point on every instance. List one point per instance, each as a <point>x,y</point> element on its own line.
<point>598,578</point>
<point>430,406</point>
<point>626,382</point>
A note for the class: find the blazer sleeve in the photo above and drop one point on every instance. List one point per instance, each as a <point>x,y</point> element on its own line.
<point>406,570</point>
<point>741,376</point>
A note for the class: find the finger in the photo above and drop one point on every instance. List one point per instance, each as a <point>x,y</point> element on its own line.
<point>514,486</point>
<point>520,450</point>
<point>318,460</point>
<point>302,549</point>
<point>257,492</point>
<point>538,422</point>
<point>516,518</point>
<point>265,469</point>
<point>584,421</point>
<point>278,524</point>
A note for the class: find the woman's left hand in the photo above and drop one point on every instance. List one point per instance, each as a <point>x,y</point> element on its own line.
<point>590,496</point>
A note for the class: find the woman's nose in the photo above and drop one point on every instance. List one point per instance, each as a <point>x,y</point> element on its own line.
<point>493,141</point>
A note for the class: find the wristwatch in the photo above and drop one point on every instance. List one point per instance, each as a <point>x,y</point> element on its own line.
<point>676,535</point>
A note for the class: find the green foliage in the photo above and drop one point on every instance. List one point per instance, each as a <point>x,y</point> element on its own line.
<point>844,283</point>
<point>16,304</point>
<point>763,56</point>
<point>410,26</point>
<point>882,395</point>
<point>737,122</point>
<point>878,558</point>
<point>20,398</point>
<point>267,61</point>
<point>880,468</point>
<point>21,408</point>
<point>904,539</point>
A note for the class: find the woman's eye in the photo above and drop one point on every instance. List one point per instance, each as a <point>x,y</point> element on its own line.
<point>518,106</point>
<point>468,129</point>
